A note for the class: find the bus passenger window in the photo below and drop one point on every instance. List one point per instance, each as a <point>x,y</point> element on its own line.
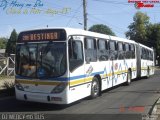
<point>147,54</point>
<point>151,55</point>
<point>113,50</point>
<point>120,51</point>
<point>132,49</point>
<point>75,54</point>
<point>90,50</point>
<point>141,53</point>
<point>102,50</point>
<point>144,55</point>
<point>127,53</point>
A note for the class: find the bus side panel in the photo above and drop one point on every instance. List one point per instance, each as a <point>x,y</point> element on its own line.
<point>133,68</point>
<point>131,64</point>
<point>152,69</point>
<point>138,60</point>
<point>144,65</point>
<point>147,63</point>
<point>152,64</point>
<point>119,71</point>
<point>78,87</point>
<point>106,76</point>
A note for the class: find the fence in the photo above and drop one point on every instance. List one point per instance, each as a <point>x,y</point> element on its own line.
<point>7,72</point>
<point>7,65</point>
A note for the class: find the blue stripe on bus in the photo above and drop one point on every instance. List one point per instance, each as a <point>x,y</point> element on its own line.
<point>77,77</point>
<point>101,72</point>
<point>61,78</point>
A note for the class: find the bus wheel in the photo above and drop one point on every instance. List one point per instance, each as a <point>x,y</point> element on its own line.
<point>128,78</point>
<point>95,88</point>
<point>148,73</point>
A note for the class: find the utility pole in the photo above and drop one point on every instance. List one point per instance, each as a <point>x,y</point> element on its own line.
<point>85,14</point>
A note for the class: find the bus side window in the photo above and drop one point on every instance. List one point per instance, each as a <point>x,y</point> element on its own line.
<point>113,50</point>
<point>90,50</point>
<point>120,51</point>
<point>132,49</point>
<point>147,54</point>
<point>146,51</point>
<point>151,55</point>
<point>75,54</point>
<point>126,48</point>
<point>102,50</point>
<point>143,53</point>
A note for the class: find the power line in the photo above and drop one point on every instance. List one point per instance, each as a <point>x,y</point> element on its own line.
<point>74,14</point>
<point>105,22</point>
<point>115,29</point>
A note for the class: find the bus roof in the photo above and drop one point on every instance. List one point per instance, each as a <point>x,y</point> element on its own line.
<point>146,47</point>
<point>75,31</point>
<point>72,31</point>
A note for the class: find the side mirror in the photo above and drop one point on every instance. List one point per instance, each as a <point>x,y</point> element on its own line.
<point>88,60</point>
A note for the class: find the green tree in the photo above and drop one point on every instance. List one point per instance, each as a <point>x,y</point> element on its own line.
<point>138,29</point>
<point>100,28</point>
<point>3,42</point>
<point>153,36</point>
<point>11,44</point>
<point>158,50</point>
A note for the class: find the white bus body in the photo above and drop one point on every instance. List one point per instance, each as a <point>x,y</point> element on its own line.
<point>86,58</point>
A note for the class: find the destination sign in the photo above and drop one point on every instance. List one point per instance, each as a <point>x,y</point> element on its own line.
<point>42,35</point>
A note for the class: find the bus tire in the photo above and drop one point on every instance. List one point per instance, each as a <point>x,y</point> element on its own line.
<point>129,76</point>
<point>95,88</point>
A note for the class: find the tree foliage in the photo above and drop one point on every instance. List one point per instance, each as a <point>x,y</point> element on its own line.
<point>100,28</point>
<point>11,44</point>
<point>3,42</point>
<point>153,34</point>
<point>154,38</point>
<point>138,29</point>
<point>142,31</point>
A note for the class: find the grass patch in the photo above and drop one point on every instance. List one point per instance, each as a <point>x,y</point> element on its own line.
<point>8,85</point>
<point>2,77</point>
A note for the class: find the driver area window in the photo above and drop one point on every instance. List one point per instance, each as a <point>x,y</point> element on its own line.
<point>75,54</point>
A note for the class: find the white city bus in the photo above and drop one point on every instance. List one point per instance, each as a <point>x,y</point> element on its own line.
<point>63,65</point>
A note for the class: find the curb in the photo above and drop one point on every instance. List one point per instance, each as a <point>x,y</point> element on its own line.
<point>155,111</point>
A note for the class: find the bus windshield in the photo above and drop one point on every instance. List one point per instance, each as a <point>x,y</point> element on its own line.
<point>41,60</point>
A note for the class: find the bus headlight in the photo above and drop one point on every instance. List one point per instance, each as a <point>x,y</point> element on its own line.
<point>59,88</point>
<point>19,87</point>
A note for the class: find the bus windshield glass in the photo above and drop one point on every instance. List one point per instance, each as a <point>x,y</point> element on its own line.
<point>41,60</point>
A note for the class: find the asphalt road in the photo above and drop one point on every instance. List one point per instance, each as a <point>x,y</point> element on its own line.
<point>138,98</point>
